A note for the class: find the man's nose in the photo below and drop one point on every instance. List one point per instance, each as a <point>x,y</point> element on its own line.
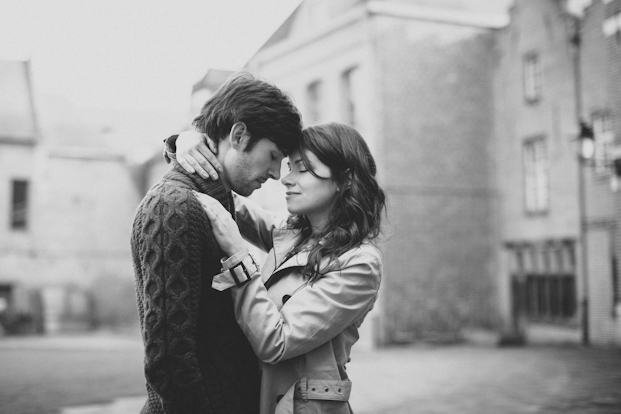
<point>274,172</point>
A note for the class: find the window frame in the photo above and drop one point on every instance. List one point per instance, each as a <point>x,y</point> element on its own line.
<point>539,177</point>
<point>532,73</point>
<point>314,92</point>
<point>19,207</point>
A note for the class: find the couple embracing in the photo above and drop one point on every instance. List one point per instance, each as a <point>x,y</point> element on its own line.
<point>223,334</point>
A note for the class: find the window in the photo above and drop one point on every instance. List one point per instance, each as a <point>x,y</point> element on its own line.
<point>532,78</point>
<point>19,205</point>
<point>350,101</point>
<point>604,140</point>
<point>544,285</point>
<point>313,94</point>
<point>536,191</point>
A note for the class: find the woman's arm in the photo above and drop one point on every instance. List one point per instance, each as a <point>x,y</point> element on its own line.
<point>255,223</point>
<point>313,315</point>
<point>195,152</point>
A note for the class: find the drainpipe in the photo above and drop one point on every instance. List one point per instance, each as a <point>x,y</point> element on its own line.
<point>575,40</point>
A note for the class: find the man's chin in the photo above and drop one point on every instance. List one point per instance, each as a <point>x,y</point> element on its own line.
<point>246,191</point>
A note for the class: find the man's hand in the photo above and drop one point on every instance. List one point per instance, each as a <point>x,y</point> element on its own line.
<point>196,153</point>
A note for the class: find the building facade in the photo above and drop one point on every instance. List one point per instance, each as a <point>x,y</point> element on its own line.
<point>417,81</point>
<point>559,209</point>
<point>537,177</point>
<point>600,107</point>
<point>19,135</point>
<point>66,219</point>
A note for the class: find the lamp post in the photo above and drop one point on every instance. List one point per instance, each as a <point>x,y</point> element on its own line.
<point>586,151</point>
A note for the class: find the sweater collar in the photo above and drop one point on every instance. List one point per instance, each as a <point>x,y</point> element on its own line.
<point>213,188</point>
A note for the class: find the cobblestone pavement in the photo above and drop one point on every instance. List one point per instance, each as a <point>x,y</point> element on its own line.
<point>464,379</point>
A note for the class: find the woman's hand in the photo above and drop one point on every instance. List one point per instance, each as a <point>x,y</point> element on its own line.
<point>195,153</point>
<point>224,227</point>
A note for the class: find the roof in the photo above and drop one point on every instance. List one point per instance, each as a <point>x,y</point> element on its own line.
<point>477,13</point>
<point>17,117</point>
<point>212,80</point>
<point>284,30</point>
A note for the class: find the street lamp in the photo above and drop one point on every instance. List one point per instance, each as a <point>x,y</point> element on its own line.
<point>586,142</point>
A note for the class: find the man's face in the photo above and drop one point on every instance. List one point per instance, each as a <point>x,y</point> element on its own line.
<point>248,170</point>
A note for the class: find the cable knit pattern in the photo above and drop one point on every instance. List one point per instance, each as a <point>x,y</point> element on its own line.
<point>197,359</point>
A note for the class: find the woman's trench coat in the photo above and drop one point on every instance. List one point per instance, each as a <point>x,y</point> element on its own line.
<point>302,333</point>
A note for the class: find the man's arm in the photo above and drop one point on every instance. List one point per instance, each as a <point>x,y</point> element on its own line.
<point>169,243</point>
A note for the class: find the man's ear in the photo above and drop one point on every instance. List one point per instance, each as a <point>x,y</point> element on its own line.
<point>239,136</point>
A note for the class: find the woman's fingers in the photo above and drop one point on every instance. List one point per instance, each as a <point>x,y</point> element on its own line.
<point>185,164</point>
<point>205,163</point>
<point>207,159</point>
<point>210,204</point>
<point>202,166</point>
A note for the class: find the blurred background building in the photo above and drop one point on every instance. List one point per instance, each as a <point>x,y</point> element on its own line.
<point>497,220</point>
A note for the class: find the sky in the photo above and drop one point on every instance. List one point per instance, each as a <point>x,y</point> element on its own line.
<point>133,54</point>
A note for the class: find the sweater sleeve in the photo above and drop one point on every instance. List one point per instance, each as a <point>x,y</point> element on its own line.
<point>168,242</point>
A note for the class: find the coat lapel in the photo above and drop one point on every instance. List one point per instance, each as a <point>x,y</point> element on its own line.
<point>284,240</point>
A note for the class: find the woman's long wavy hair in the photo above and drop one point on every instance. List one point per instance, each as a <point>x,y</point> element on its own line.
<point>360,201</point>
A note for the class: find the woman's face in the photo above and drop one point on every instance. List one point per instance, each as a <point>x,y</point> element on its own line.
<point>307,194</point>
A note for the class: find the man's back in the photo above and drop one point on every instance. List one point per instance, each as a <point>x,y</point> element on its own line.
<point>196,356</point>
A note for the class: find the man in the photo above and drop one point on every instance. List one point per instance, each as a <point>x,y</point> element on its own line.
<point>197,359</point>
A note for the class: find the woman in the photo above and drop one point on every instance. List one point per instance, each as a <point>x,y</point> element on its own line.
<point>302,312</point>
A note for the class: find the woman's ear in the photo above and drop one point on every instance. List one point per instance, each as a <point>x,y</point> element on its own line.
<point>239,136</point>
<point>348,179</point>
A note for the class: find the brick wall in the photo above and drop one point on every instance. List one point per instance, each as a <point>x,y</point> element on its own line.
<point>601,73</point>
<point>435,89</point>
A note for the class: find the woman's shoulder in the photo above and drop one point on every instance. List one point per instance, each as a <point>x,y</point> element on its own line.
<point>365,253</point>
<point>365,249</point>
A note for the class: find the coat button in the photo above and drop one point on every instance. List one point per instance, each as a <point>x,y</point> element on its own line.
<point>285,299</point>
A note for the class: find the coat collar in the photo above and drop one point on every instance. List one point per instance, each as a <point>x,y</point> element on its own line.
<point>284,241</point>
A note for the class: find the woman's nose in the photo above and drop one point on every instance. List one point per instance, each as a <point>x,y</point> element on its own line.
<point>286,180</point>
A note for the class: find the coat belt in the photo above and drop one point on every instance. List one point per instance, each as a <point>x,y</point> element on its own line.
<point>314,389</point>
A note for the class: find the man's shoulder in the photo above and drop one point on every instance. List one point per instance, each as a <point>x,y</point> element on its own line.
<point>169,197</point>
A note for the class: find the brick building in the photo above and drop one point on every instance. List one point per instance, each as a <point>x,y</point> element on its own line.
<point>600,71</point>
<point>415,78</point>
<point>559,214</point>
<point>537,176</point>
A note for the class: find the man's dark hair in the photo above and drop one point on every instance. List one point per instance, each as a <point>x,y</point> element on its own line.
<point>266,110</point>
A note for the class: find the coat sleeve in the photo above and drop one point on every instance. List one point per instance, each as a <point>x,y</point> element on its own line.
<point>256,224</point>
<point>167,249</point>
<point>313,315</point>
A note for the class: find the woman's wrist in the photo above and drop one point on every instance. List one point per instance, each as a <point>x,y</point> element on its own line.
<point>234,259</point>
<point>237,270</point>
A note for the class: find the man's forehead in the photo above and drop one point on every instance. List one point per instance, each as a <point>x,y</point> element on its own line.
<point>269,145</point>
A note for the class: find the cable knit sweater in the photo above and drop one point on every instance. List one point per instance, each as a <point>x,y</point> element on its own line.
<point>197,360</point>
